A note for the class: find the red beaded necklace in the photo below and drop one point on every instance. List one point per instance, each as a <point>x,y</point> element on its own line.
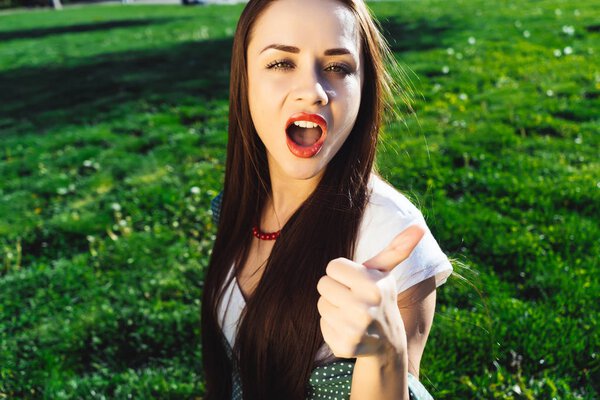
<point>265,235</point>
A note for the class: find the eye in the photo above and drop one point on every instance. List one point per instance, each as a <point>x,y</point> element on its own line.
<point>280,64</point>
<point>338,68</point>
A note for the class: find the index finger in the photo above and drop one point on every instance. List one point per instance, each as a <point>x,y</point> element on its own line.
<point>354,277</point>
<point>398,250</point>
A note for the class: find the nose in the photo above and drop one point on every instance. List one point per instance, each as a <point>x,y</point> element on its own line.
<point>312,89</point>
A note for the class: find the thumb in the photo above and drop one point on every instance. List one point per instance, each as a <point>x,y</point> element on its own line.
<point>398,250</point>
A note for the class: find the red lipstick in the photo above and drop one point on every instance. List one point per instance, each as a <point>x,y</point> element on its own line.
<point>304,151</point>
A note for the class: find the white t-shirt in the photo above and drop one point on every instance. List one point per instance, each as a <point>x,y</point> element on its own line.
<point>386,215</point>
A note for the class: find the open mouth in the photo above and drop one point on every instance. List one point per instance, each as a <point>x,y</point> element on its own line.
<point>306,134</point>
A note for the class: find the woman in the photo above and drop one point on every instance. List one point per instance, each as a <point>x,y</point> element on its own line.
<point>316,285</point>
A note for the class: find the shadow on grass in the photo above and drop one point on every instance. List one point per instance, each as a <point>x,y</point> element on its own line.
<point>80,28</point>
<point>37,99</point>
<point>112,85</point>
<point>417,34</point>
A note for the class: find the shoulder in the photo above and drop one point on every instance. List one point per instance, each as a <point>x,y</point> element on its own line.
<point>387,202</point>
<point>388,213</point>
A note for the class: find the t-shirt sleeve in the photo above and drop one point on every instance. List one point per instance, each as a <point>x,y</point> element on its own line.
<point>383,221</point>
<point>426,260</point>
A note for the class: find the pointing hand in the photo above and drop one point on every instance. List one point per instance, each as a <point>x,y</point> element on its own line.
<point>358,308</point>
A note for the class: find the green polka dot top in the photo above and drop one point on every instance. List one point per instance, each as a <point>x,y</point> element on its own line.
<point>332,382</point>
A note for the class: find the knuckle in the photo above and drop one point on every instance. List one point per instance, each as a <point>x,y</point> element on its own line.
<point>321,285</point>
<point>363,318</point>
<point>324,328</point>
<point>377,297</point>
<point>331,267</point>
<point>321,306</point>
<point>352,332</point>
<point>337,264</point>
<point>373,293</point>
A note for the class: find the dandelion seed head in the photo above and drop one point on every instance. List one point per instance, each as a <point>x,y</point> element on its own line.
<point>527,34</point>
<point>568,50</point>
<point>516,389</point>
<point>568,29</point>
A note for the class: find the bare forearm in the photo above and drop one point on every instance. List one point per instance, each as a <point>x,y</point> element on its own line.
<point>380,377</point>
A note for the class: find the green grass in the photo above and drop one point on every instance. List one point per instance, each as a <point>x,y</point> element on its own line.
<point>113,125</point>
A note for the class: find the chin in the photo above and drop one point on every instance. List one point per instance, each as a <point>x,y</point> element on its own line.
<point>301,169</point>
<point>298,168</point>
<point>303,173</point>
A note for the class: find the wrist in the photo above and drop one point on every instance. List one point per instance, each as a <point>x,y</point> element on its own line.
<point>393,347</point>
<point>391,356</point>
<point>385,374</point>
<point>388,359</point>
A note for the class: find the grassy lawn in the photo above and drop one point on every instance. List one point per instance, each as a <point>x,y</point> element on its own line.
<point>113,124</point>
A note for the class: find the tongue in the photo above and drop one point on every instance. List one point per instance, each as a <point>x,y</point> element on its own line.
<point>304,136</point>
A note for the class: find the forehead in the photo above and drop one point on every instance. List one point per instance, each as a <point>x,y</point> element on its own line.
<point>311,24</point>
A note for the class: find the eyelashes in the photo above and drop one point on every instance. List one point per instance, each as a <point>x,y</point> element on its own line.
<point>280,64</point>
<point>339,68</point>
<point>288,65</point>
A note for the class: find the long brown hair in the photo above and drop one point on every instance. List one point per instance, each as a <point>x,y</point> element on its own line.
<point>279,332</point>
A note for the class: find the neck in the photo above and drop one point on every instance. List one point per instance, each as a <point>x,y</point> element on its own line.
<point>287,195</point>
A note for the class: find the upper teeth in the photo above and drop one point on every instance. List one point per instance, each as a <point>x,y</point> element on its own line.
<point>305,124</point>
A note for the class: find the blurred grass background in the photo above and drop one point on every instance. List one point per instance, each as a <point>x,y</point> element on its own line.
<point>113,124</point>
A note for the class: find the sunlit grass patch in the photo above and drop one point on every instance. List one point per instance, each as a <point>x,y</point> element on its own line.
<point>112,144</point>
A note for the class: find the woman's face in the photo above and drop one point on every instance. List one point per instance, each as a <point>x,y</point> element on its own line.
<point>305,76</point>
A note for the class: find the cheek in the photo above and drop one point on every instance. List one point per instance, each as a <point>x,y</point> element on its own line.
<point>264,99</point>
<point>257,97</point>
<point>354,89</point>
<point>349,97</point>
<point>264,91</point>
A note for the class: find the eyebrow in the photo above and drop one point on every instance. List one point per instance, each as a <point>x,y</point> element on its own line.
<point>281,47</point>
<point>291,49</point>
<point>337,52</point>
